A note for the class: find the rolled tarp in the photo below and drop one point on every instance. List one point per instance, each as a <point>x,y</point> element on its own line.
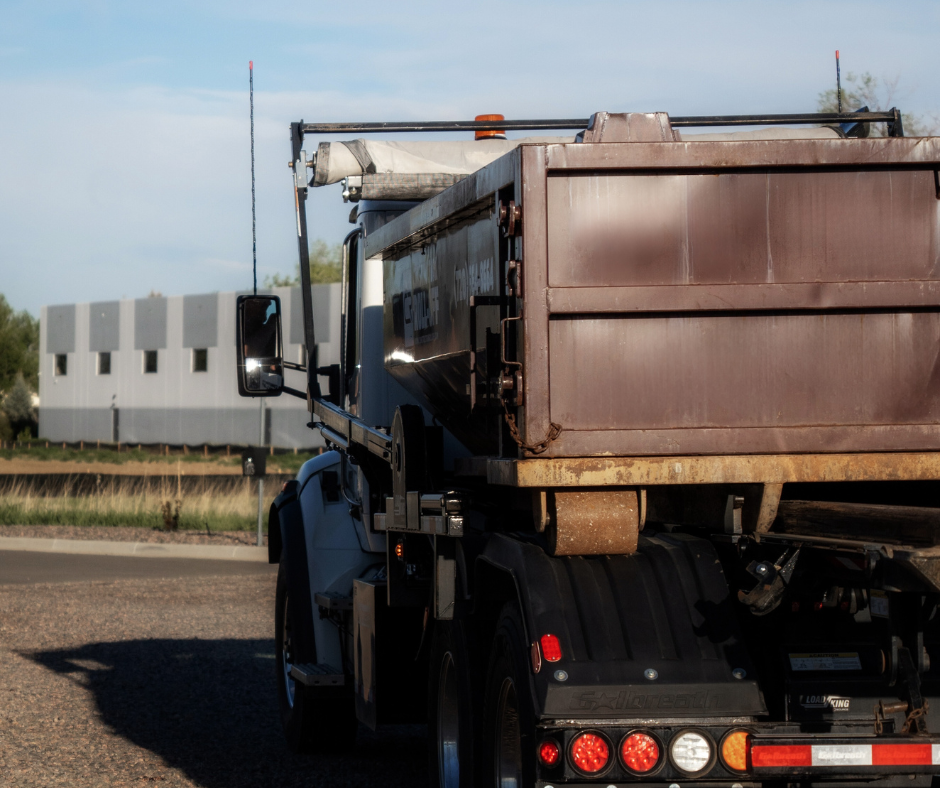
<point>338,160</point>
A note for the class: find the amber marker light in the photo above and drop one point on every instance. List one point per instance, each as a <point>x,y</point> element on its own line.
<point>399,550</point>
<point>497,134</point>
<point>734,750</point>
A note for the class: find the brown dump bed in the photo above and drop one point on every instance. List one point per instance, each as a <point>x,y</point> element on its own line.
<point>677,298</point>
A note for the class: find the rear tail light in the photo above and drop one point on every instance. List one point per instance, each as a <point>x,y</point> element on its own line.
<point>734,749</point>
<point>640,753</point>
<point>549,753</point>
<point>590,753</point>
<point>692,752</point>
<point>551,648</point>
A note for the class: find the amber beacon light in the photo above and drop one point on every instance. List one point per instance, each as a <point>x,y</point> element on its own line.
<point>494,134</point>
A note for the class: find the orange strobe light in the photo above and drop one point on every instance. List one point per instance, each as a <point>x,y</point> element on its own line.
<point>498,134</point>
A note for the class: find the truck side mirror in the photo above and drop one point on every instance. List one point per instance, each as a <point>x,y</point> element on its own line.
<point>259,346</point>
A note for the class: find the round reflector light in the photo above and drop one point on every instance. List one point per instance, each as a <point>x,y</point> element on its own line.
<point>590,753</point>
<point>549,752</point>
<point>734,751</point>
<point>691,752</point>
<point>551,648</point>
<point>640,752</point>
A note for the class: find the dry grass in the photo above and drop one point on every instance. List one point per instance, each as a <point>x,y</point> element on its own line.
<point>219,504</point>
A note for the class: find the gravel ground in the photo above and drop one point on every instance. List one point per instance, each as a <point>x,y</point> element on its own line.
<point>116,534</point>
<point>171,682</point>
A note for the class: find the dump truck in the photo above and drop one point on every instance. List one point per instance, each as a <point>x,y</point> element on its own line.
<point>634,450</point>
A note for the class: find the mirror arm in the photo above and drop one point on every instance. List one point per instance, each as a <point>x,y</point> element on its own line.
<point>292,365</point>
<point>299,167</point>
<point>294,392</point>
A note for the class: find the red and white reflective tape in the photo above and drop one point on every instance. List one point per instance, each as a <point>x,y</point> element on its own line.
<point>777,756</point>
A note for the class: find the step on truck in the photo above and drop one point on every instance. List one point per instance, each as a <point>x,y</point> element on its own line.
<point>634,451</point>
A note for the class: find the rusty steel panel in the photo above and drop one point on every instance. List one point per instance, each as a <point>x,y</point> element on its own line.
<point>779,296</point>
<point>728,298</point>
<point>622,229</point>
<point>715,469</point>
<point>592,522</point>
<point>745,371</point>
<point>922,152</point>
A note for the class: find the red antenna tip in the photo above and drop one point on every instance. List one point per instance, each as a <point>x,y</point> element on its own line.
<point>837,54</point>
<point>251,63</point>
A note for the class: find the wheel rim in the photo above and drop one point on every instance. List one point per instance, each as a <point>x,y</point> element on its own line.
<point>287,654</point>
<point>448,725</point>
<point>508,759</point>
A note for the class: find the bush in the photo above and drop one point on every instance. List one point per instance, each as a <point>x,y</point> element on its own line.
<point>18,407</point>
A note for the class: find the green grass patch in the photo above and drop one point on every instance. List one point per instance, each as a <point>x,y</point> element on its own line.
<point>134,501</point>
<point>12,513</point>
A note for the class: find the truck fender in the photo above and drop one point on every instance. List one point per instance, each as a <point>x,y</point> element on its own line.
<point>665,611</point>
<point>275,534</point>
<point>294,555</point>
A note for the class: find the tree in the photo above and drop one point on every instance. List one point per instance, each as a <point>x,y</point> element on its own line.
<point>325,266</point>
<point>878,96</point>
<point>19,347</point>
<point>18,407</point>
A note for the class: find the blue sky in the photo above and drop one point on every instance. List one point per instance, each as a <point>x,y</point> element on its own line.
<point>124,158</point>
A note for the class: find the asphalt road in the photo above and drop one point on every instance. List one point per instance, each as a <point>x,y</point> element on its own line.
<point>131,671</point>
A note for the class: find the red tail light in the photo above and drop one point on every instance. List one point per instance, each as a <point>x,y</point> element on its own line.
<point>640,752</point>
<point>551,648</point>
<point>590,753</point>
<point>549,752</point>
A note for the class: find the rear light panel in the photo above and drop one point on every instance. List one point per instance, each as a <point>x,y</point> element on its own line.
<point>619,753</point>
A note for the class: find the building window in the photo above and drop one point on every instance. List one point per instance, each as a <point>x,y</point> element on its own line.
<point>61,364</point>
<point>200,360</point>
<point>104,363</point>
<point>150,361</point>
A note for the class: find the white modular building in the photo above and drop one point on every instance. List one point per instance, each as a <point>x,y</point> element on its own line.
<point>162,370</point>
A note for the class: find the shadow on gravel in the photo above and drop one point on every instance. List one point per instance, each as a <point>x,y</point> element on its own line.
<point>209,708</point>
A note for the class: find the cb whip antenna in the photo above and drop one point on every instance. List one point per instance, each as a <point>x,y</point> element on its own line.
<point>838,88</point>
<point>254,242</point>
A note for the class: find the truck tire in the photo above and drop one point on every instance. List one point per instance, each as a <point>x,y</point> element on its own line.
<point>312,720</point>
<point>453,690</point>
<point>509,717</point>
